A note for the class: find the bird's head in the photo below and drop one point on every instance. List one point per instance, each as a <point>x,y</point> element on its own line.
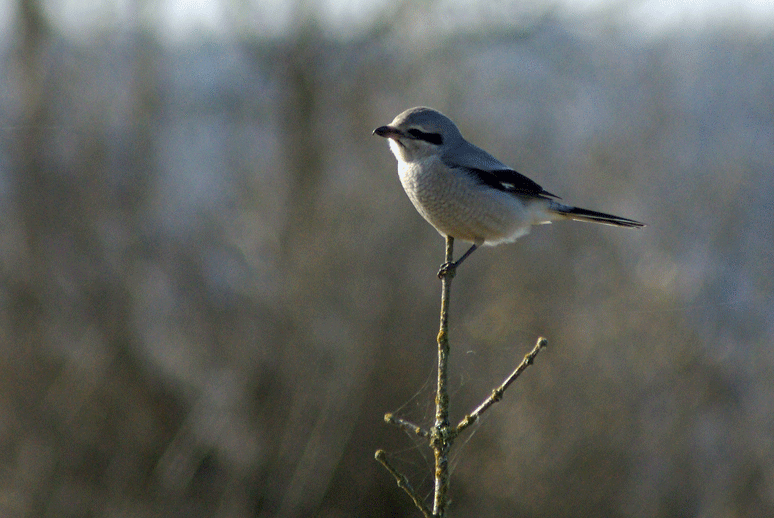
<point>418,133</point>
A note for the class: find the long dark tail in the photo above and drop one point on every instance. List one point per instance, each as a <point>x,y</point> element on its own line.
<point>579,214</point>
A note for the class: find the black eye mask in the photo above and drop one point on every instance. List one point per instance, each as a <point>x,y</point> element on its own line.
<point>432,138</point>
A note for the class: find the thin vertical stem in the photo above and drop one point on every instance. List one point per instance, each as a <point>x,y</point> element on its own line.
<point>441,438</point>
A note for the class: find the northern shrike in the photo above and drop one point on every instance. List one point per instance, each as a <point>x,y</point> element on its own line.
<point>466,193</point>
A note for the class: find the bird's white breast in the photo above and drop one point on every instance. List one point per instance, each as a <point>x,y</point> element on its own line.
<point>459,206</point>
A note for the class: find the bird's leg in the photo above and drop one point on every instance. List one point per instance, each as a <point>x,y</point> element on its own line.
<point>472,249</point>
<point>451,268</point>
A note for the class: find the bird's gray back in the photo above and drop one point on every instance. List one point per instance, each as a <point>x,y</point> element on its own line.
<point>466,155</point>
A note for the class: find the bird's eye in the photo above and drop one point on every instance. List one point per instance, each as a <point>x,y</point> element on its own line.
<point>432,138</point>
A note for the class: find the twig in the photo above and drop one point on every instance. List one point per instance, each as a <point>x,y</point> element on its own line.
<point>403,483</point>
<point>441,436</point>
<point>406,425</point>
<point>497,393</point>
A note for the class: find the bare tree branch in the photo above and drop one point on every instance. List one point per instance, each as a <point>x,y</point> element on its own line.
<point>406,425</point>
<point>442,434</point>
<point>403,483</point>
<point>497,393</point>
<point>441,437</point>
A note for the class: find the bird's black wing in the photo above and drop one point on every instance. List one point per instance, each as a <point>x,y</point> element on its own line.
<point>508,180</point>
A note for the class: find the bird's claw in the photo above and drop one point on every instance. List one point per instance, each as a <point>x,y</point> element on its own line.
<point>447,270</point>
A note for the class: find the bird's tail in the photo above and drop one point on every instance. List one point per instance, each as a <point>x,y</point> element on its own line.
<point>578,214</point>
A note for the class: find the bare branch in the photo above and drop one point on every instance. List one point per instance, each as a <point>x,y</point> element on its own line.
<point>441,437</point>
<point>403,483</point>
<point>442,434</point>
<point>497,393</point>
<point>406,425</point>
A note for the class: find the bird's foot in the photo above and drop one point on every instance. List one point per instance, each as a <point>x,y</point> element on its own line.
<point>447,270</point>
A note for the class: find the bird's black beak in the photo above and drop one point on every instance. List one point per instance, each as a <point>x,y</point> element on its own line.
<point>388,132</point>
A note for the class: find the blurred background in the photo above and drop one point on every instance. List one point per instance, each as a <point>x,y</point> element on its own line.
<point>213,286</point>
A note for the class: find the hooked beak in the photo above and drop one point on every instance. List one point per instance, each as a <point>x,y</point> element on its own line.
<point>388,132</point>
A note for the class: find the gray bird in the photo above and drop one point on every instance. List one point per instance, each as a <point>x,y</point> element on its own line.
<point>466,193</point>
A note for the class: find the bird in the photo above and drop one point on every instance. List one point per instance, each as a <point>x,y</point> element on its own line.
<point>466,193</point>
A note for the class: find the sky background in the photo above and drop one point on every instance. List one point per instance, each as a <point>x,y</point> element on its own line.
<point>178,20</point>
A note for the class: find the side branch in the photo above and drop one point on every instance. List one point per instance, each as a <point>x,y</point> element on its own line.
<point>497,394</point>
<point>403,483</point>
<point>406,425</point>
